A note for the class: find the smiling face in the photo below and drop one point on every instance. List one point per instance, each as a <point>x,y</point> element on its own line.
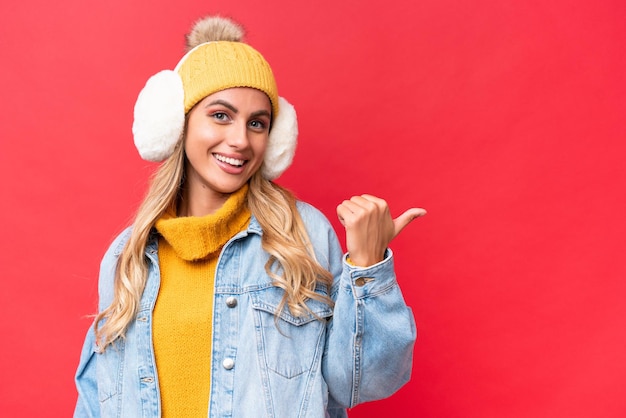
<point>225,143</point>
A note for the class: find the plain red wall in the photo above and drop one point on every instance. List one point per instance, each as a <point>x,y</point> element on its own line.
<point>505,119</point>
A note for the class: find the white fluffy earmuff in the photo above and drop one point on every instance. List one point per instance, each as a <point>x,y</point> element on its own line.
<point>282,141</point>
<point>159,116</point>
<point>160,122</point>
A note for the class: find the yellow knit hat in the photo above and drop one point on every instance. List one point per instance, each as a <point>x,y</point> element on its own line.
<point>214,66</point>
<point>216,60</point>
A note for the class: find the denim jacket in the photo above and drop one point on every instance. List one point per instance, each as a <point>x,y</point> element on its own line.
<point>263,367</point>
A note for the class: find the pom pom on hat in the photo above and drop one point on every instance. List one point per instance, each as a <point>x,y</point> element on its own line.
<point>212,29</point>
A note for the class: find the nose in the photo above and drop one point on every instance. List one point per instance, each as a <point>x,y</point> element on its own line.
<point>238,136</point>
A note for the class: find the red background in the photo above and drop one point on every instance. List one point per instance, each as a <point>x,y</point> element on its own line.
<point>505,119</point>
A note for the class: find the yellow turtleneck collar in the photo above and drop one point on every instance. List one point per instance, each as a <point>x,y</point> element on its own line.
<point>198,237</point>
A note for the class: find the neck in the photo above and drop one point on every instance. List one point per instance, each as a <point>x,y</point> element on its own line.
<point>199,200</point>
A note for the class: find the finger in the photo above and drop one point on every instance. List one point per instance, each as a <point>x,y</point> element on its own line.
<point>369,204</point>
<point>346,210</point>
<point>403,220</point>
<point>358,202</point>
<point>374,199</point>
<point>367,200</point>
<point>354,206</point>
<point>346,207</point>
<point>340,210</point>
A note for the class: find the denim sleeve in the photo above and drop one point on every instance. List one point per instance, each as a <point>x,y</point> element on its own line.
<point>87,405</point>
<point>369,341</point>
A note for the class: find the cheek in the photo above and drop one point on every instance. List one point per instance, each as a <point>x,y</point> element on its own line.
<point>261,147</point>
<point>199,138</point>
<point>195,147</point>
<point>188,145</point>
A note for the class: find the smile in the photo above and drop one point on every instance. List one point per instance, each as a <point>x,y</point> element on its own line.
<point>232,161</point>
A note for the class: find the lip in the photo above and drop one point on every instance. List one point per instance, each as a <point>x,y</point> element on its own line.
<point>226,166</point>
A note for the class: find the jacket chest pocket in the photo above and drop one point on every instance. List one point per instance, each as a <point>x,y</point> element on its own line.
<point>288,345</point>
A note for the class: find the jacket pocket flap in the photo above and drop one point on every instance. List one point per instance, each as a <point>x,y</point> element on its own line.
<point>268,300</point>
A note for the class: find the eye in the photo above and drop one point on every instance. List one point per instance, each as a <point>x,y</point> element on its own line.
<point>257,125</point>
<point>220,116</point>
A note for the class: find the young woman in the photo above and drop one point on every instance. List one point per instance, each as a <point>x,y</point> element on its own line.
<point>227,297</point>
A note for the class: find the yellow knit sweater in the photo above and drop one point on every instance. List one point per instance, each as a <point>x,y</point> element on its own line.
<point>188,252</point>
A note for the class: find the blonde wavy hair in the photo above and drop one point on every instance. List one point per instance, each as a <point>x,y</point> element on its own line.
<point>284,238</point>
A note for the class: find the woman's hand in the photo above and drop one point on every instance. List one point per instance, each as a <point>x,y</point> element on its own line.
<point>370,227</point>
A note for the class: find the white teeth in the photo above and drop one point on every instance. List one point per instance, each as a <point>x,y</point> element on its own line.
<point>228,160</point>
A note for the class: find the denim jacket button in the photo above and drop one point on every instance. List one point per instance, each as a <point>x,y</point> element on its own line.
<point>361,281</point>
<point>228,363</point>
<point>231,301</point>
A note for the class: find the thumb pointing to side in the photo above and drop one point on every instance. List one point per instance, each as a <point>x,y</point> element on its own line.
<point>403,220</point>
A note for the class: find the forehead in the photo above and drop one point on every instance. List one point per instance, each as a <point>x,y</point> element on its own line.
<point>242,96</point>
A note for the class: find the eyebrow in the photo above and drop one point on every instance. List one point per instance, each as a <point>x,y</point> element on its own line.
<point>235,110</point>
<point>223,103</point>
<point>261,113</point>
